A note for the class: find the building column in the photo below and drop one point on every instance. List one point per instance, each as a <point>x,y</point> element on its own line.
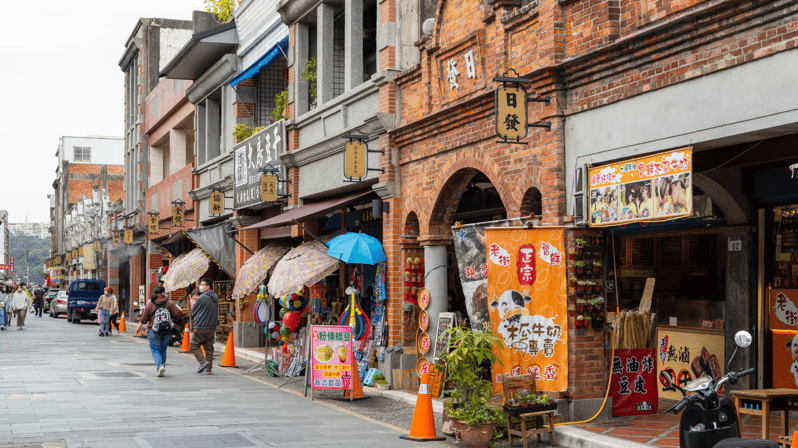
<point>353,44</point>
<point>324,53</point>
<point>246,332</point>
<point>177,151</point>
<point>436,283</point>
<point>298,90</point>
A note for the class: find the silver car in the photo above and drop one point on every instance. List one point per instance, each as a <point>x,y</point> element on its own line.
<point>59,304</point>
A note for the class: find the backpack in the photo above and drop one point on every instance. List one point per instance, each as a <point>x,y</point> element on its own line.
<point>162,320</point>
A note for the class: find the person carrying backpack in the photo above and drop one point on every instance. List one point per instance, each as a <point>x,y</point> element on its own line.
<point>159,315</point>
<point>38,301</point>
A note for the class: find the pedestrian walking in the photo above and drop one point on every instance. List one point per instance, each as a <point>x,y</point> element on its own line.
<point>21,304</point>
<point>6,301</point>
<point>38,300</point>
<point>114,322</point>
<point>205,315</point>
<point>106,305</point>
<point>158,316</point>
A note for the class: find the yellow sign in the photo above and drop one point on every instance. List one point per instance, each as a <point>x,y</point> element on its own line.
<point>69,256</point>
<point>179,215</point>
<point>75,253</point>
<point>217,203</point>
<point>128,236</point>
<point>651,188</point>
<point>117,238</point>
<point>511,119</point>
<point>89,260</point>
<point>268,188</point>
<point>152,224</point>
<point>97,246</point>
<point>527,295</point>
<point>688,355</point>
<point>355,159</point>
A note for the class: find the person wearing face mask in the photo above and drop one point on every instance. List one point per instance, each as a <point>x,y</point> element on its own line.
<point>158,342</point>
<point>5,307</point>
<point>21,303</point>
<point>205,315</point>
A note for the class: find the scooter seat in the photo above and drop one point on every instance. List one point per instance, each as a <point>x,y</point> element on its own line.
<point>746,443</point>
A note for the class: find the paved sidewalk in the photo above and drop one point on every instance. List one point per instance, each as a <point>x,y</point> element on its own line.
<point>62,385</point>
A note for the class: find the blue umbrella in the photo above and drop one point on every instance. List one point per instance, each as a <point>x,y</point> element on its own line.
<point>356,248</point>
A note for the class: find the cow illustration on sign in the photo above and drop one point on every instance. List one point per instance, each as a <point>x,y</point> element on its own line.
<point>520,331</point>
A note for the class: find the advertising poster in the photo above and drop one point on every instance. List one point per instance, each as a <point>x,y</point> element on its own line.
<point>651,188</point>
<point>785,359</point>
<point>259,151</point>
<point>782,310</point>
<point>528,304</point>
<point>688,355</point>
<point>634,382</point>
<point>331,357</point>
<point>57,273</point>
<point>89,259</point>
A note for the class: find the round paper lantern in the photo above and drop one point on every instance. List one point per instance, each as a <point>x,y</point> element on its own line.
<point>285,339</point>
<point>283,312</point>
<point>297,304</point>
<point>292,320</point>
<point>280,343</point>
<point>275,335</point>
<point>285,331</point>
<point>271,325</point>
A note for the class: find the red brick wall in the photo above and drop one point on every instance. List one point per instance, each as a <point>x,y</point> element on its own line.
<point>137,271</point>
<point>81,178</point>
<point>249,238</point>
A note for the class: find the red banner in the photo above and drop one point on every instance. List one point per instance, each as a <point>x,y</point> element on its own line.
<point>634,382</point>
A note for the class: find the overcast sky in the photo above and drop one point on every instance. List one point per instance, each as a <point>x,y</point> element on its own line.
<point>60,77</point>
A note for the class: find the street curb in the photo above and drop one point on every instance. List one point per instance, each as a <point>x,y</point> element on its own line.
<point>437,406</point>
<point>573,437</point>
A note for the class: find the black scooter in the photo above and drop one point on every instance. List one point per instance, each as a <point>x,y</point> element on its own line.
<point>709,419</point>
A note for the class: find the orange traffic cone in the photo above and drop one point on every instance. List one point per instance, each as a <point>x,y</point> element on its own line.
<point>122,323</point>
<point>422,429</point>
<point>357,387</point>
<point>185,347</point>
<point>229,358</point>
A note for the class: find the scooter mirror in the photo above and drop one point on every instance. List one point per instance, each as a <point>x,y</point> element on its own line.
<point>743,339</point>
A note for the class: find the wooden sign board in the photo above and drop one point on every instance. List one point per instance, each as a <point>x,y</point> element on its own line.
<point>648,294</point>
<point>423,298</point>
<point>511,119</point>
<point>436,374</point>
<point>178,215</point>
<point>355,159</point>
<point>217,203</point>
<point>445,321</point>
<point>268,188</point>
<point>152,224</point>
<point>423,320</point>
<point>128,236</point>
<point>117,239</point>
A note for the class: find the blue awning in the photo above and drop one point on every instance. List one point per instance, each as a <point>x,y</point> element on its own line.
<point>275,53</point>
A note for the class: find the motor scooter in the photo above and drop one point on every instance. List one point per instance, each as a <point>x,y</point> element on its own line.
<point>710,419</point>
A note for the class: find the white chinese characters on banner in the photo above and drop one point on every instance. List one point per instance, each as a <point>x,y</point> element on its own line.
<point>452,72</point>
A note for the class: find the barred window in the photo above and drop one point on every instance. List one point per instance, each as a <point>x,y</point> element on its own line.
<point>81,154</point>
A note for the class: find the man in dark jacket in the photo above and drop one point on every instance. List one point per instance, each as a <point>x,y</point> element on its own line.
<point>38,300</point>
<point>205,315</point>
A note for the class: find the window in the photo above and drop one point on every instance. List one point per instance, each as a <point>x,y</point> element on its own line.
<point>270,82</point>
<point>82,154</point>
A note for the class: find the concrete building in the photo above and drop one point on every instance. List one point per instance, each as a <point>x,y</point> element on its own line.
<point>151,44</point>
<point>4,235</point>
<point>89,183</point>
<point>38,229</point>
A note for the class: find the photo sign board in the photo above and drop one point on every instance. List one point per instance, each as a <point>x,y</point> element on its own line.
<point>331,357</point>
<point>650,188</point>
<point>688,355</point>
<point>259,151</point>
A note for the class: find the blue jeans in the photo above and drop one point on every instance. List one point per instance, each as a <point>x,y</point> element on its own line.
<point>105,315</point>
<point>4,321</point>
<point>158,345</point>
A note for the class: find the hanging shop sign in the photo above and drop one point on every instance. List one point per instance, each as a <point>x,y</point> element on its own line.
<point>216,202</point>
<point>268,188</point>
<point>652,188</point>
<point>510,106</point>
<point>97,246</point>
<point>75,254</point>
<point>688,355</point>
<point>128,236</point>
<point>528,304</point>
<point>178,212</point>
<point>331,357</point>
<point>152,223</point>
<point>634,382</point>
<point>116,239</point>
<point>69,256</point>
<point>260,151</point>
<point>57,273</point>
<point>356,161</point>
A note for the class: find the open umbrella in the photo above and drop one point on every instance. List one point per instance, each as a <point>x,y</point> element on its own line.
<point>356,248</point>
<point>187,271</point>
<point>306,264</point>
<point>256,268</point>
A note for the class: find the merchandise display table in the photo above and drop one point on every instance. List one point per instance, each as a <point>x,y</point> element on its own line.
<point>762,402</point>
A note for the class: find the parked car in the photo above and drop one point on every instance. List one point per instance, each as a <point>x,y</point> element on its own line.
<point>58,305</point>
<point>83,296</point>
<point>48,297</point>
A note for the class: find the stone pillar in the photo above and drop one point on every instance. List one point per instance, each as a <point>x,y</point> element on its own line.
<point>177,151</point>
<point>213,130</point>
<point>298,91</point>
<point>436,283</point>
<point>738,302</point>
<point>353,43</point>
<point>324,52</point>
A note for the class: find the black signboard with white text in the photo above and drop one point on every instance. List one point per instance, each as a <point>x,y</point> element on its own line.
<point>262,150</point>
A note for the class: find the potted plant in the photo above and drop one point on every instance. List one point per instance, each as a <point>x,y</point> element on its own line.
<point>525,401</point>
<point>242,303</point>
<point>470,405</point>
<point>571,254</point>
<point>381,383</point>
<point>572,281</point>
<point>581,305</point>
<point>579,246</point>
<point>580,321</point>
<point>597,287</point>
<point>596,267</point>
<point>309,75</point>
<point>580,267</point>
<point>572,310</point>
<point>580,287</point>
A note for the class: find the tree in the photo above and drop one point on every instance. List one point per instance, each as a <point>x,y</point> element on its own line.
<point>37,251</point>
<point>221,9</point>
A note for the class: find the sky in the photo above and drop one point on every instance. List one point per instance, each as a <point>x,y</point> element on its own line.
<point>61,77</point>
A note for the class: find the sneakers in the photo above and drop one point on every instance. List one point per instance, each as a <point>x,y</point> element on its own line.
<point>208,372</point>
<point>161,370</point>
<point>204,366</point>
<point>107,333</point>
<point>101,334</point>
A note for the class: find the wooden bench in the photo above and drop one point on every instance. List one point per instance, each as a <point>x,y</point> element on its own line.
<point>540,422</point>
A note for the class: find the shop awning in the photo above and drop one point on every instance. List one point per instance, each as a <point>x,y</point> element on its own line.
<point>177,244</point>
<point>187,269</point>
<point>257,268</point>
<point>201,52</point>
<point>311,211</point>
<point>217,244</point>
<point>304,265</point>
<point>275,53</point>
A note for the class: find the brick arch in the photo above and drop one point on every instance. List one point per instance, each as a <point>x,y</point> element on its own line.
<point>457,173</point>
<point>525,188</point>
<point>411,224</point>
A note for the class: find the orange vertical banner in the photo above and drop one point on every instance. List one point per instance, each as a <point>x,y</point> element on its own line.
<point>528,304</point>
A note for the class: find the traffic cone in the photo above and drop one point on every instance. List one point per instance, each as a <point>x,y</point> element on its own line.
<point>422,429</point>
<point>122,324</point>
<point>357,388</point>
<point>185,347</point>
<point>229,358</point>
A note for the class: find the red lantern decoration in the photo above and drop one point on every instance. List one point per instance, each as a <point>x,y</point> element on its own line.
<point>292,320</point>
